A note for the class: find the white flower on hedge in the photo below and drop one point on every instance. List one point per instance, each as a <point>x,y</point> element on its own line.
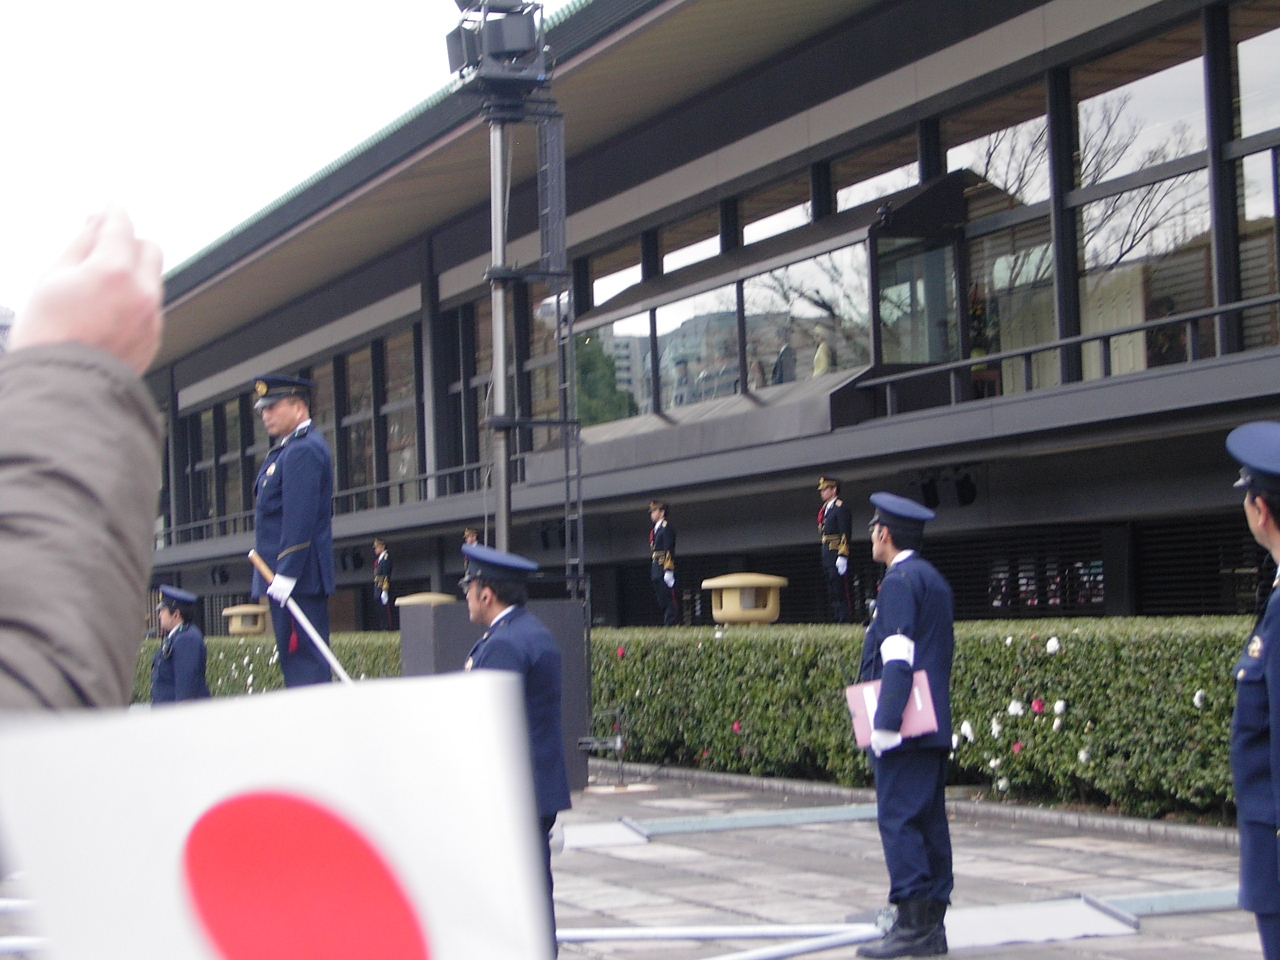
<point>995,728</point>
<point>1057,723</point>
<point>1015,708</point>
<point>966,731</point>
<point>994,763</point>
<point>1060,707</point>
<point>1002,784</point>
<point>1198,699</point>
<point>955,740</point>
<point>1008,641</point>
<point>1053,646</point>
<point>1083,755</point>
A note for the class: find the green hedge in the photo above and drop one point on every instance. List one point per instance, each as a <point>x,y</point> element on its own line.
<point>248,664</point>
<point>770,701</point>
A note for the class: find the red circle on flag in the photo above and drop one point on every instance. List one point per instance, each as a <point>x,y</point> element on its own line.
<point>279,877</point>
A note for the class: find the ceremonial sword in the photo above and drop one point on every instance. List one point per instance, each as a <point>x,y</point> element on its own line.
<point>292,606</point>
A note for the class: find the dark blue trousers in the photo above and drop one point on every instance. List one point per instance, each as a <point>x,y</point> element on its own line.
<point>911,811</point>
<point>666,597</point>
<point>305,664</point>
<point>1260,881</point>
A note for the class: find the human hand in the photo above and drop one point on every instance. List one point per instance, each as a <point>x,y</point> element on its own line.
<point>386,598</point>
<point>280,588</point>
<point>669,578</point>
<point>105,291</point>
<point>842,565</point>
<point>882,740</point>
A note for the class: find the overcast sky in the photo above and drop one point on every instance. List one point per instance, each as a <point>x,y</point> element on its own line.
<point>193,116</point>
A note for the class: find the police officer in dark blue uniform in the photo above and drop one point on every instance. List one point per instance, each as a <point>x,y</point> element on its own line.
<point>1255,763</point>
<point>514,639</point>
<point>662,565</point>
<point>177,671</point>
<point>293,528</point>
<point>835,529</point>
<point>911,630</point>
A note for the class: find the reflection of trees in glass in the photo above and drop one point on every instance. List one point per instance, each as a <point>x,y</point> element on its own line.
<point>599,399</point>
<point>794,310</point>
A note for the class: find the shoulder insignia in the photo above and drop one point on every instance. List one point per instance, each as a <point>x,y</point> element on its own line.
<point>271,468</point>
<point>1255,647</point>
<point>839,502</point>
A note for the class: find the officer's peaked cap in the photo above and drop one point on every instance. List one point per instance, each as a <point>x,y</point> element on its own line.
<point>1257,448</point>
<point>899,513</point>
<point>174,597</point>
<point>490,564</point>
<point>267,390</point>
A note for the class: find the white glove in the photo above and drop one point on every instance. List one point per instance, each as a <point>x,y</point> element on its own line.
<point>386,598</point>
<point>882,740</point>
<point>842,565</point>
<point>669,578</point>
<point>280,588</point>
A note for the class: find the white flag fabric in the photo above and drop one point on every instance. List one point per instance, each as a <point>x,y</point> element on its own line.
<point>392,820</point>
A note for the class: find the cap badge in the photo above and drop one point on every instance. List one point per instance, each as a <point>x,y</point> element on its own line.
<point>260,388</point>
<point>1255,647</point>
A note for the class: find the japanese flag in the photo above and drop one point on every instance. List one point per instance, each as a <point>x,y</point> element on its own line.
<point>393,820</point>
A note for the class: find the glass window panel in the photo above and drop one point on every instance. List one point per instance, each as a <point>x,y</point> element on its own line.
<point>202,494</point>
<point>1011,306</point>
<point>261,441</point>
<point>1146,256</point>
<point>918,316</point>
<point>402,455</point>
<point>231,489</point>
<point>399,366</point>
<point>613,371</point>
<point>874,173</point>
<point>1258,249</point>
<point>1004,142</point>
<point>774,210</point>
<point>1255,29</point>
<point>698,348</point>
<point>207,451</point>
<point>809,318</point>
<point>614,271</point>
<point>322,404</point>
<point>1141,106</point>
<point>690,241</point>
<point>359,382</point>
<point>360,462</point>
<point>542,328</point>
<point>231,410</point>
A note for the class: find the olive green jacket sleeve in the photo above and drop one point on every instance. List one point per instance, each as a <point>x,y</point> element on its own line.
<point>79,478</point>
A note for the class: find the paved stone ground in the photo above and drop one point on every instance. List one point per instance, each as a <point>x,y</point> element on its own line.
<point>818,873</point>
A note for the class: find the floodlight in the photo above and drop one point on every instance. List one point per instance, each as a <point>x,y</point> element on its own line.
<point>495,6</point>
<point>464,48</point>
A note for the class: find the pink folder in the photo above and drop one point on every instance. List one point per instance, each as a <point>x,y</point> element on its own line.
<point>917,719</point>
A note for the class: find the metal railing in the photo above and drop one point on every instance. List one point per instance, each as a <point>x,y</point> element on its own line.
<point>957,371</point>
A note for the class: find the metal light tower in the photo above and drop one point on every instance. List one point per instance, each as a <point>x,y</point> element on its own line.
<point>499,52</point>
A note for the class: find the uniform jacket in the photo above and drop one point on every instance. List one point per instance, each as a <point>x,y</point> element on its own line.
<point>914,601</point>
<point>382,573</point>
<point>520,643</point>
<point>662,543</point>
<point>177,670</point>
<point>293,526</point>
<point>79,478</point>
<point>1255,754</point>
<point>835,530</point>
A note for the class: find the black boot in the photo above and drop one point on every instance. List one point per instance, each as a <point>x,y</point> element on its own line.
<point>918,932</point>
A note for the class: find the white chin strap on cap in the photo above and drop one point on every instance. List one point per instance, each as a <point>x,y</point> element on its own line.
<point>898,647</point>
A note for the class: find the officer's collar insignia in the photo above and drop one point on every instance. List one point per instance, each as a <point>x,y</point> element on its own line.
<point>1255,647</point>
<point>260,388</point>
<point>271,468</point>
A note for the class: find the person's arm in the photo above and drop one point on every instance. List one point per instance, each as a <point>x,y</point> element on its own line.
<point>79,474</point>
<point>189,664</point>
<point>897,651</point>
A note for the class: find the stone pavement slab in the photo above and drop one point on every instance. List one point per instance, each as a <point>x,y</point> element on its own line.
<point>821,872</point>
